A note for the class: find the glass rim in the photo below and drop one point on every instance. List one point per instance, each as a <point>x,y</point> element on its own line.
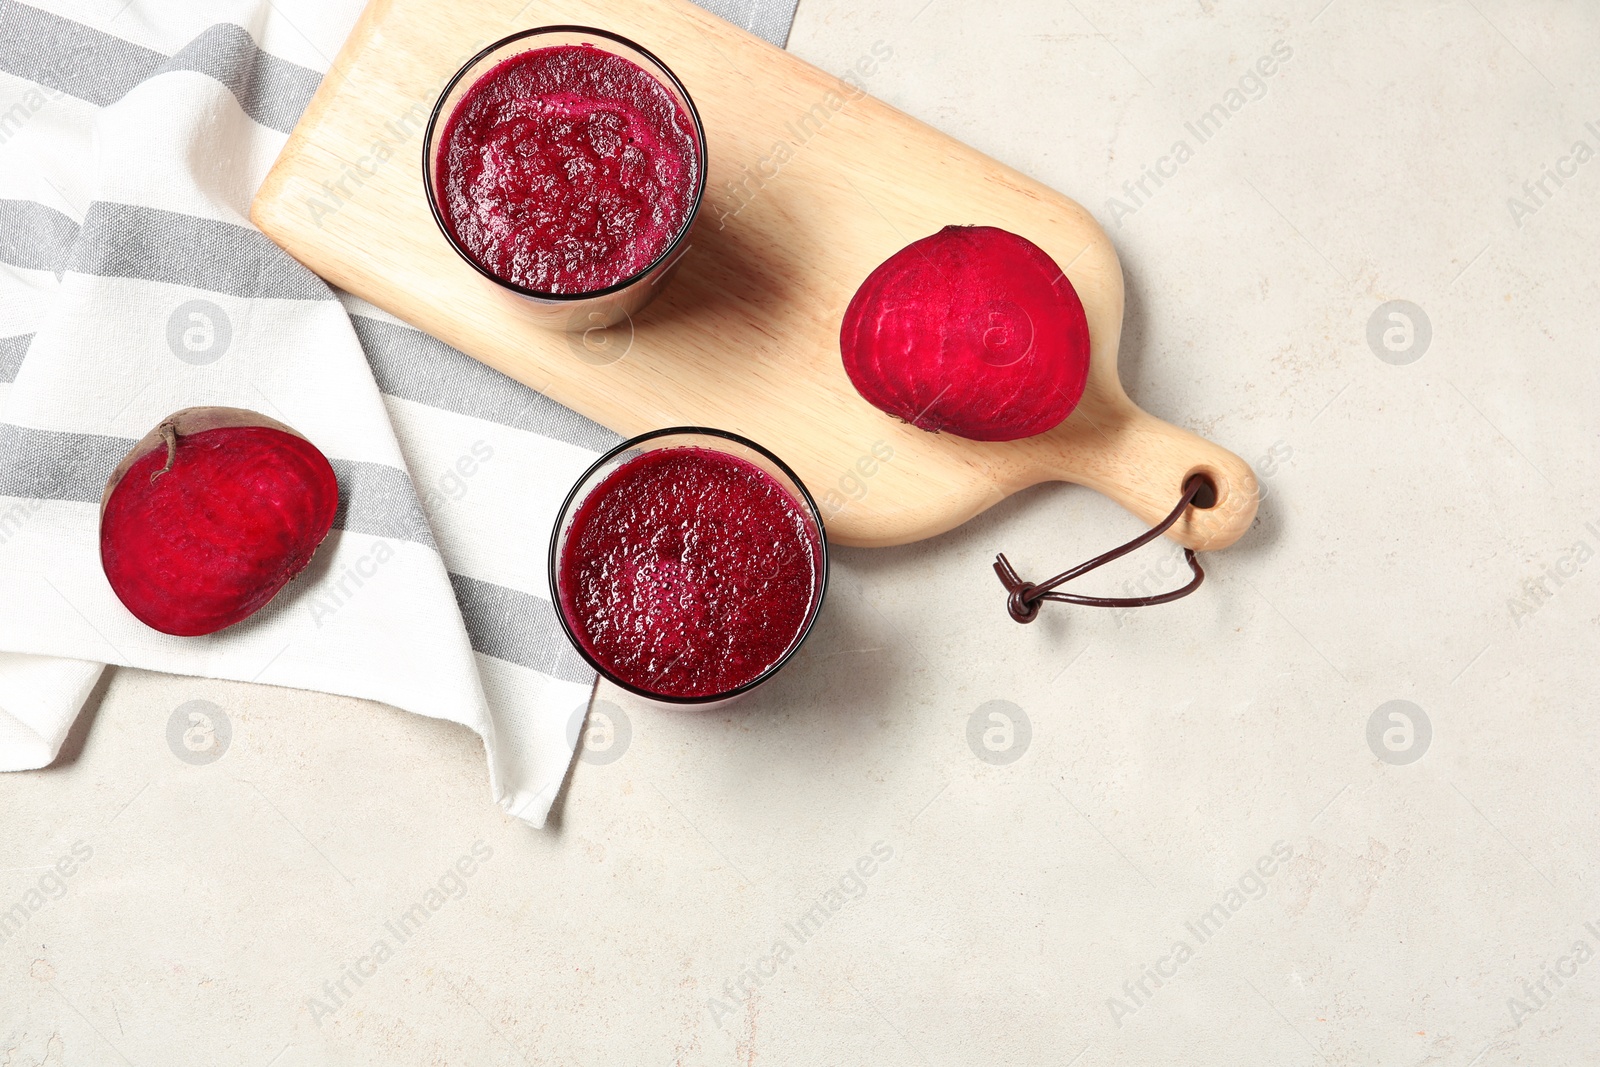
<point>553,565</point>
<point>428,177</point>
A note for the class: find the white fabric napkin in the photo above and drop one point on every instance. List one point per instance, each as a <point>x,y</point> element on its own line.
<point>132,285</point>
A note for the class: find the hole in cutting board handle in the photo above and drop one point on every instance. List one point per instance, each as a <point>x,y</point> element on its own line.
<point>1205,498</point>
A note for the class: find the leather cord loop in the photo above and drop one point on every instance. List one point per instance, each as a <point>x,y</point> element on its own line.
<point>1023,598</point>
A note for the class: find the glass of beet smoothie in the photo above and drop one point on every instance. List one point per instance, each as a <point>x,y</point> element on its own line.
<point>688,564</point>
<point>567,164</point>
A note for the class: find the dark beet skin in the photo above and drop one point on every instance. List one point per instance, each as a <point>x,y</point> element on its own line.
<point>972,331</point>
<point>567,169</point>
<point>689,572</point>
<point>207,542</point>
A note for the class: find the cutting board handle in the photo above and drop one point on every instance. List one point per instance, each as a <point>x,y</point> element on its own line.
<point>1142,463</point>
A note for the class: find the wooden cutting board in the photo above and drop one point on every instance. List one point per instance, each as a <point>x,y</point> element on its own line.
<point>812,184</point>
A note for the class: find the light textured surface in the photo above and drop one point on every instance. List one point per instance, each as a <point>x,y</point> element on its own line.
<point>1428,534</point>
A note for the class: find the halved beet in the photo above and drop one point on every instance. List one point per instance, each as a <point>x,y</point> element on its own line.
<point>209,515</point>
<point>973,331</point>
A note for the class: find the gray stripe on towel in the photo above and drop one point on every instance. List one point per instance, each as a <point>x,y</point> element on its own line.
<point>519,628</point>
<point>35,237</point>
<point>130,241</point>
<point>70,57</point>
<point>12,349</point>
<point>411,365</point>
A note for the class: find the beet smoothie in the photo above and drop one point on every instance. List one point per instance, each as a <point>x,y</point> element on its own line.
<point>689,572</point>
<point>567,169</point>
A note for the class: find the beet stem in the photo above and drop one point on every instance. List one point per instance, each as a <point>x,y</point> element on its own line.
<point>169,434</point>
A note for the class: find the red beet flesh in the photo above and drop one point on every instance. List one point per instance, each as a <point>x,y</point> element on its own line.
<point>208,542</point>
<point>689,572</point>
<point>973,331</point>
<point>567,169</point>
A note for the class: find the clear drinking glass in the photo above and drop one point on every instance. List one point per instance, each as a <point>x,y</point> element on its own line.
<point>712,440</point>
<point>567,311</point>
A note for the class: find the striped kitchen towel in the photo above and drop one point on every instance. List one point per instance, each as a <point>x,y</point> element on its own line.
<point>132,284</point>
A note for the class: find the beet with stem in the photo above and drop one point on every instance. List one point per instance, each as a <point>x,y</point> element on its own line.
<point>973,331</point>
<point>210,515</point>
